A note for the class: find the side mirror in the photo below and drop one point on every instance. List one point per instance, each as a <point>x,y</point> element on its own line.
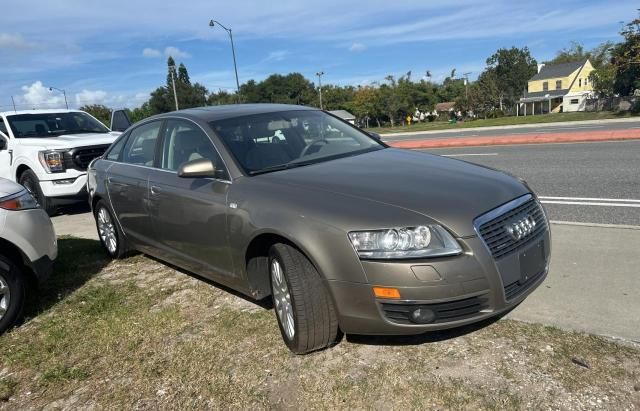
<point>202,167</point>
<point>119,120</point>
<point>375,135</point>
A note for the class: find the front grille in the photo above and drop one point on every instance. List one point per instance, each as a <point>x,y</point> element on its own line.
<point>444,312</point>
<point>80,157</point>
<point>518,287</point>
<point>500,242</point>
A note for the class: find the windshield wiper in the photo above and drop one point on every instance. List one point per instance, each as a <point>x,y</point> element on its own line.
<point>279,167</point>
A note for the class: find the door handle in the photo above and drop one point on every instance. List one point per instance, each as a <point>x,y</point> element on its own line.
<point>155,190</point>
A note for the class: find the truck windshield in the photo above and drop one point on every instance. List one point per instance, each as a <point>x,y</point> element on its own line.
<point>53,124</point>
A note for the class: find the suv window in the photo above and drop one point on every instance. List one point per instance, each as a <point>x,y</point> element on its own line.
<point>3,128</point>
<point>141,144</point>
<point>185,141</point>
<point>116,149</point>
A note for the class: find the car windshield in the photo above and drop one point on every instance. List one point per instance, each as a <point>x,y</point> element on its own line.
<point>273,141</point>
<point>53,124</point>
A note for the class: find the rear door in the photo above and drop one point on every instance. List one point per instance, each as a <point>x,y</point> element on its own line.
<point>190,214</point>
<point>127,182</point>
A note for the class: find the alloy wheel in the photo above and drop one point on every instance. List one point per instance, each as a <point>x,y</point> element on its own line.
<point>5,297</point>
<point>107,231</point>
<point>282,299</point>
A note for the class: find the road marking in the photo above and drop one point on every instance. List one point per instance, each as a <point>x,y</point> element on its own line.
<point>469,154</point>
<point>624,226</point>
<point>590,203</point>
<point>618,200</point>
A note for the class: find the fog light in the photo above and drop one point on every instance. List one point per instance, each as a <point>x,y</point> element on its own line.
<point>422,315</point>
<point>65,181</point>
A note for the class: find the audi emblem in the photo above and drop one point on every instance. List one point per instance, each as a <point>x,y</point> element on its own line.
<point>521,228</point>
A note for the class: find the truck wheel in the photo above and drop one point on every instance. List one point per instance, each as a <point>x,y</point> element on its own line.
<point>303,306</point>
<point>12,290</point>
<point>110,235</point>
<point>29,180</point>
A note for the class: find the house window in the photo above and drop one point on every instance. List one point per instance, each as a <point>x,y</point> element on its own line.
<point>579,82</point>
<point>545,86</point>
<point>585,81</point>
<point>574,101</point>
<point>558,84</point>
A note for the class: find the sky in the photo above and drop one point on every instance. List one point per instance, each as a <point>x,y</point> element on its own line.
<point>115,52</point>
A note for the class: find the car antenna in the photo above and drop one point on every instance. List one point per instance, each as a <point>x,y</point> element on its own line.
<point>14,105</point>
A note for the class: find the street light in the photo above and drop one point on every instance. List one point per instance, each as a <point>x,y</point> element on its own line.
<point>320,74</point>
<point>172,70</point>
<point>212,23</point>
<point>63,92</point>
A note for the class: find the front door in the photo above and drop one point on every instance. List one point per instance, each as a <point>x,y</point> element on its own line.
<point>190,214</point>
<point>127,183</point>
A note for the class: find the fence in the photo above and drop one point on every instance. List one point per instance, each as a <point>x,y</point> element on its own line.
<point>611,103</point>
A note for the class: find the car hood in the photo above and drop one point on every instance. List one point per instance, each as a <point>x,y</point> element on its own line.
<point>71,140</point>
<point>8,187</point>
<point>451,192</point>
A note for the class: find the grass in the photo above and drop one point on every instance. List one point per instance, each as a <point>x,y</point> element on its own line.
<point>503,121</point>
<point>137,334</point>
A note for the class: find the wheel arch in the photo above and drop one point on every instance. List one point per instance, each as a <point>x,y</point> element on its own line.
<point>18,257</point>
<point>21,169</point>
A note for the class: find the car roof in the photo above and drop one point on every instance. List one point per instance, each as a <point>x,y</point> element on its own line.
<point>222,112</point>
<point>47,111</point>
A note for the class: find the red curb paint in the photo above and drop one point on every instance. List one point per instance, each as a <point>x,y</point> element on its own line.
<point>542,138</point>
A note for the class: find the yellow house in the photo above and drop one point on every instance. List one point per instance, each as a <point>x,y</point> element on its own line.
<point>557,88</point>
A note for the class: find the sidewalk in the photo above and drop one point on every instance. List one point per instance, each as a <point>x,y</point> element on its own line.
<point>593,284</point>
<point>517,126</point>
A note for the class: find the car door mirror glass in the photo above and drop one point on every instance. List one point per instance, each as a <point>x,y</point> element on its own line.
<point>202,167</point>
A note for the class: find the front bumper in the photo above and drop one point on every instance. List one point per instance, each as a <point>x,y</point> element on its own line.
<point>74,190</point>
<point>459,290</point>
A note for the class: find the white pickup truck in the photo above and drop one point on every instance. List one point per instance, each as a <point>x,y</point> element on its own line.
<point>48,151</point>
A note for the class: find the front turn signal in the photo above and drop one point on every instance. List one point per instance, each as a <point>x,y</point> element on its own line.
<point>386,292</point>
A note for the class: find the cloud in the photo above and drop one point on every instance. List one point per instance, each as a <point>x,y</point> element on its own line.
<point>176,53</point>
<point>151,53</point>
<point>357,47</point>
<point>14,41</point>
<point>38,96</point>
<point>277,55</point>
<point>91,97</point>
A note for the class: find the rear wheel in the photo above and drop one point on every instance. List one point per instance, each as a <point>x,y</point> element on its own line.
<point>12,289</point>
<point>304,309</point>
<point>109,233</point>
<point>29,180</point>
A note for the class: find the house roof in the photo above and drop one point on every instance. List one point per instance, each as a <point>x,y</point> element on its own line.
<point>446,106</point>
<point>343,114</point>
<point>549,71</point>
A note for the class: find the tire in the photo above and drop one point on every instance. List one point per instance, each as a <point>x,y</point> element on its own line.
<point>12,290</point>
<point>109,232</point>
<point>304,309</point>
<point>29,180</point>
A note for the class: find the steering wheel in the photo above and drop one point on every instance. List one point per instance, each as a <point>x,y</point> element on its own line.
<point>313,143</point>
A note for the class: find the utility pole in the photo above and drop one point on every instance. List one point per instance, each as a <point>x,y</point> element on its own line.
<point>466,85</point>
<point>64,93</point>
<point>172,70</point>
<point>320,74</point>
<point>212,23</point>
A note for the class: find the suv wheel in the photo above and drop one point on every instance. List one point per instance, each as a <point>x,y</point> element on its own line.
<point>303,306</point>
<point>11,293</point>
<point>110,235</point>
<point>29,180</point>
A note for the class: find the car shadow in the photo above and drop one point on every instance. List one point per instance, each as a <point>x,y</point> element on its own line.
<point>78,261</point>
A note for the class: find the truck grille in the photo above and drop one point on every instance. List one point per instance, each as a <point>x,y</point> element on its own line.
<point>499,241</point>
<point>444,312</point>
<point>80,157</point>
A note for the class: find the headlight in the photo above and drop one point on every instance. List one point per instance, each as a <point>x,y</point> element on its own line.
<point>408,242</point>
<point>52,161</point>
<point>21,201</point>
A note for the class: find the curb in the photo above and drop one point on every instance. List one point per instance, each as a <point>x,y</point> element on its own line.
<point>542,138</point>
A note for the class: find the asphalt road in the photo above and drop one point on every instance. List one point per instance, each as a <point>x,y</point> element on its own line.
<point>520,130</point>
<point>578,182</point>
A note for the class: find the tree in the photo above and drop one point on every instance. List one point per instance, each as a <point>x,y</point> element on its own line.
<point>626,59</point>
<point>484,94</point>
<point>598,56</point>
<point>603,80</point>
<point>366,104</point>
<point>513,68</point>
<point>99,111</point>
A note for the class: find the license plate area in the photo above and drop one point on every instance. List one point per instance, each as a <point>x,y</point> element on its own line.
<point>532,261</point>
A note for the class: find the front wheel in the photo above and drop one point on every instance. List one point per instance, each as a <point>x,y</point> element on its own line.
<point>304,309</point>
<point>12,289</point>
<point>29,180</point>
<point>109,233</point>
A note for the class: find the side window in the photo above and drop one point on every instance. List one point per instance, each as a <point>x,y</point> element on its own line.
<point>141,144</point>
<point>3,128</point>
<point>184,141</point>
<point>116,149</point>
